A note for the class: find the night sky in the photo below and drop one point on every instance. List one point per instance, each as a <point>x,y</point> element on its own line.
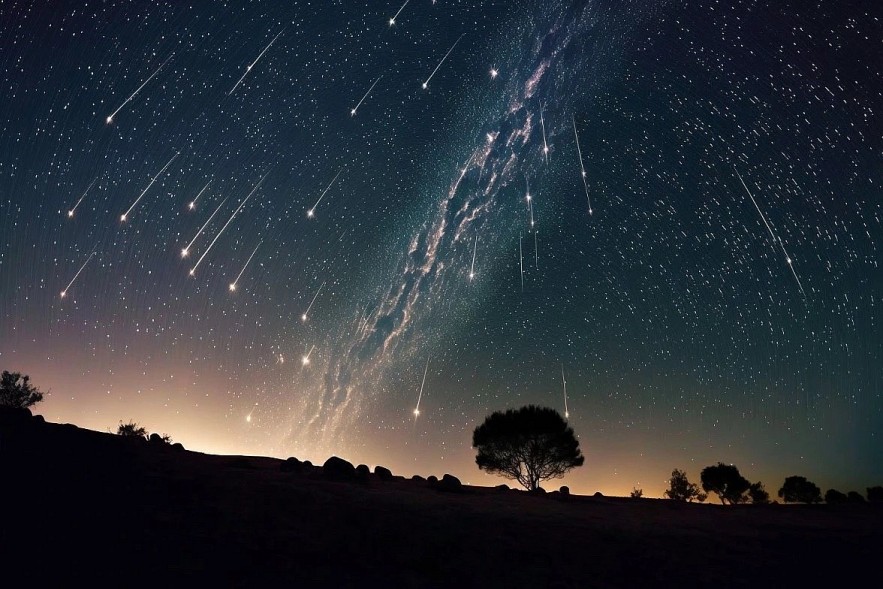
<point>676,205</point>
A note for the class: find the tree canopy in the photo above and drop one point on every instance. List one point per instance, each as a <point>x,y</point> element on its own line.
<point>725,481</point>
<point>797,489</point>
<point>681,489</point>
<point>529,445</point>
<point>17,391</point>
<point>131,430</point>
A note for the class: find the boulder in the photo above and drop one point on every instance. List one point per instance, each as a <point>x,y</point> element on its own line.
<point>564,490</point>
<point>291,464</point>
<point>449,483</point>
<point>339,469</point>
<point>417,478</point>
<point>383,473</point>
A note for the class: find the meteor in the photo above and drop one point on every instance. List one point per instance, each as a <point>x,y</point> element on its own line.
<point>426,83</point>
<point>304,316</point>
<point>420,394</point>
<point>581,166</point>
<point>110,117</point>
<point>242,204</point>
<point>472,268</point>
<point>305,359</point>
<point>545,145</point>
<point>69,284</point>
<point>521,262</point>
<point>241,272</point>
<point>248,69</point>
<point>71,212</point>
<point>529,200</point>
<point>192,204</point>
<point>125,215</point>
<point>186,251</point>
<point>564,382</point>
<point>353,111</point>
<point>312,211</point>
<point>392,21</point>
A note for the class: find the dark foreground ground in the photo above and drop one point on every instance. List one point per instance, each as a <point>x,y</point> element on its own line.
<point>79,505</point>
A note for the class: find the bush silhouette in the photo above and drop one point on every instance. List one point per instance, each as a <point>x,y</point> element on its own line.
<point>529,445</point>
<point>17,391</point>
<point>681,489</point>
<point>855,497</point>
<point>758,494</point>
<point>131,430</point>
<point>636,493</point>
<point>833,496</point>
<point>799,490</point>
<point>875,495</point>
<point>725,481</point>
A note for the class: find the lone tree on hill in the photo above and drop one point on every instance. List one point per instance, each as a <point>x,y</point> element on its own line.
<point>131,430</point>
<point>799,490</point>
<point>529,445</point>
<point>725,481</point>
<point>16,391</point>
<point>681,489</point>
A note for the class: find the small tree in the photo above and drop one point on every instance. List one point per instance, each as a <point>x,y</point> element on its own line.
<point>725,481</point>
<point>855,497</point>
<point>636,493</point>
<point>681,489</point>
<point>131,430</point>
<point>16,391</point>
<point>758,494</point>
<point>833,496</point>
<point>799,490</point>
<point>529,445</point>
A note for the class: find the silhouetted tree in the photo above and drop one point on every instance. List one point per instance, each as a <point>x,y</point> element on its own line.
<point>758,494</point>
<point>636,493</point>
<point>799,490</point>
<point>855,497</point>
<point>875,495</point>
<point>833,496</point>
<point>681,489</point>
<point>725,481</point>
<point>131,430</point>
<point>529,445</point>
<point>16,391</point>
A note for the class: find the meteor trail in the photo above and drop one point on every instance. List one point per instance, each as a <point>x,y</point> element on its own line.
<point>109,119</point>
<point>545,145</point>
<point>186,250</point>
<point>248,69</point>
<point>242,204</point>
<point>581,166</point>
<point>426,83</point>
<point>788,259</point>
<point>353,111</point>
<point>71,212</point>
<point>312,211</point>
<point>192,204</point>
<point>564,382</point>
<point>304,316</point>
<point>521,262</point>
<point>472,268</point>
<point>241,272</point>
<point>529,199</point>
<point>64,292</point>
<point>305,359</point>
<point>420,394</point>
<point>392,21</point>
<point>125,215</point>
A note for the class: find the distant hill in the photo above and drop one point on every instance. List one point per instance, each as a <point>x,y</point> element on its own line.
<point>80,505</point>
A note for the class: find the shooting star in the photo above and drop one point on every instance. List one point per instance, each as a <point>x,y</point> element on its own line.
<point>422,384</point>
<point>529,200</point>
<point>788,259</point>
<point>230,220</point>
<point>543,125</point>
<point>307,312</point>
<point>305,359</point>
<point>312,211</point>
<point>582,168</point>
<point>521,262</point>
<point>110,117</point>
<point>472,268</point>
<point>192,204</point>
<point>186,251</point>
<point>426,83</point>
<point>125,215</point>
<point>69,284</point>
<point>71,212</point>
<point>252,64</point>
<point>392,21</point>
<point>241,272</point>
<point>564,382</point>
<point>356,108</point>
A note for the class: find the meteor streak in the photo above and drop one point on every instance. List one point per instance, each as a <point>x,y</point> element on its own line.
<point>242,204</point>
<point>304,316</point>
<point>71,212</point>
<point>67,288</point>
<point>241,272</point>
<point>581,166</point>
<point>564,382</point>
<point>125,215</point>
<point>305,359</point>
<point>545,145</point>
<point>420,394</point>
<point>472,268</point>
<point>521,263</point>
<point>312,211</point>
<point>353,111</point>
<point>109,119</point>
<point>529,200</point>
<point>186,251</point>
<point>426,83</point>
<point>788,259</point>
<point>248,69</point>
<point>192,204</point>
<point>392,21</point>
